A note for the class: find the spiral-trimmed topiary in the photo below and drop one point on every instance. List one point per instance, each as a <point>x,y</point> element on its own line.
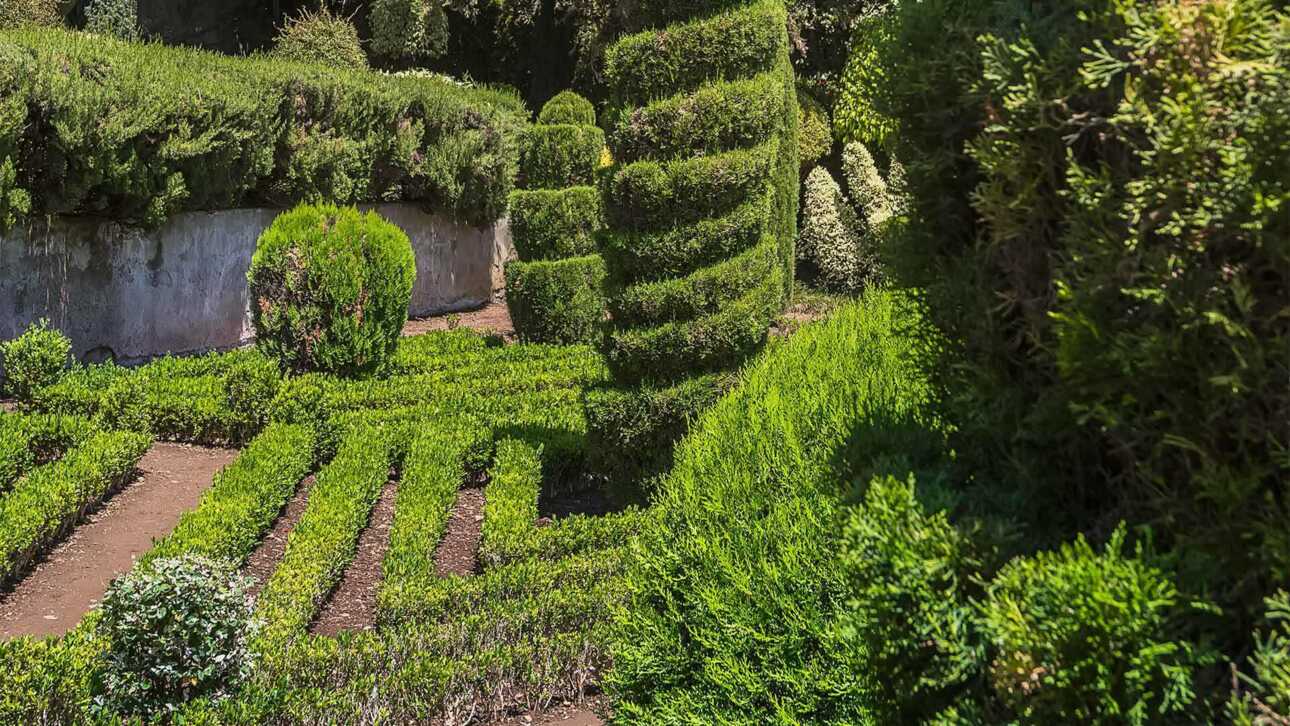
<point>319,36</point>
<point>330,289</point>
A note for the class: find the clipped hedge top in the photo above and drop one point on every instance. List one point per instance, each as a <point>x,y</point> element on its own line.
<point>137,132</point>
<point>567,107</point>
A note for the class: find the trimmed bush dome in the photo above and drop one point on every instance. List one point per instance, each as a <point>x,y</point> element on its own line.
<point>330,289</point>
<point>318,36</point>
<point>138,132</point>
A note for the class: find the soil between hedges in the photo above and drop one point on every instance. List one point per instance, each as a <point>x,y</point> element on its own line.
<point>352,604</point>
<point>458,551</point>
<point>73,577</point>
<point>492,318</point>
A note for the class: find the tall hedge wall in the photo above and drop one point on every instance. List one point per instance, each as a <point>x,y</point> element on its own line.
<point>555,290</point>
<point>704,130</point>
<point>135,132</point>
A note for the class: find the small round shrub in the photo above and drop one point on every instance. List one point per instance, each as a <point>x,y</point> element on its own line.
<point>17,13</point>
<point>832,236</point>
<point>408,30</point>
<point>34,360</point>
<point>175,629</point>
<point>319,36</point>
<point>330,289</point>
<point>815,132</point>
<point>116,18</point>
<point>567,107</point>
<point>1089,638</point>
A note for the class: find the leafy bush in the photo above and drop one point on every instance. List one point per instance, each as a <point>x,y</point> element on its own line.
<point>705,292</point>
<point>115,18</point>
<point>872,196</point>
<point>17,13</point>
<point>34,360</point>
<point>567,107</point>
<point>815,135</point>
<point>31,440</point>
<point>176,629</point>
<point>739,560</point>
<point>908,622</point>
<point>99,129</point>
<point>1263,694</point>
<point>557,301</point>
<point>330,289</point>
<point>548,224</point>
<point>408,30</point>
<point>249,387</point>
<point>832,236</point>
<point>318,36</point>
<point>1088,638</point>
<point>653,195</point>
<point>555,157</point>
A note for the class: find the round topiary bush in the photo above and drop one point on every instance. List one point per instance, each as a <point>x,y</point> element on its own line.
<point>567,107</point>
<point>17,13</point>
<point>319,36</point>
<point>34,360</point>
<point>330,288</point>
<point>175,629</point>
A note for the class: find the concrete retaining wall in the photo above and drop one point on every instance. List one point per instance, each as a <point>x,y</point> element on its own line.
<point>131,294</point>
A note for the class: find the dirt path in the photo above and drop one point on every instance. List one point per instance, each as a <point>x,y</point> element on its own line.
<point>458,551</point>
<point>586,714</point>
<point>492,318</point>
<point>352,605</point>
<point>72,578</point>
<point>264,560</point>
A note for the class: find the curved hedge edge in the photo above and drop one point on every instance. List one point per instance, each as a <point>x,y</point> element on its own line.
<point>557,301</point>
<point>639,257</point>
<point>674,350</point>
<point>54,497</point>
<point>567,107</point>
<point>28,439</point>
<point>718,117</point>
<point>648,195</point>
<point>738,43</point>
<point>555,223</point>
<point>696,295</point>
<point>245,499</point>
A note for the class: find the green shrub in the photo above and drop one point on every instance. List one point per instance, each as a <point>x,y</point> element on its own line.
<point>100,129</point>
<point>330,289</point>
<point>739,560</point>
<point>908,622</point>
<point>408,30</point>
<point>557,301</point>
<point>31,440</point>
<point>637,256</point>
<point>549,224</point>
<point>34,360</point>
<point>555,157</point>
<point>17,13</point>
<point>705,292</point>
<point>510,502</point>
<point>833,238</point>
<point>815,135</point>
<point>115,18</point>
<point>872,197</point>
<point>249,389</point>
<point>653,195</point>
<point>567,107</point>
<point>1262,695</point>
<point>718,117</point>
<point>318,36</point>
<point>176,629</point>
<point>657,63</point>
<point>1088,638</point>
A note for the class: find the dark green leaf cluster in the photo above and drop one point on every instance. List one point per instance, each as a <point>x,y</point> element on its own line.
<point>407,31</point>
<point>17,13</point>
<point>560,155</point>
<point>330,289</point>
<point>114,18</point>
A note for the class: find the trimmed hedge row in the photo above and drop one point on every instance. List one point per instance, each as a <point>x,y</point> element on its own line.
<point>557,301</point>
<point>703,293</point>
<point>245,498</point>
<point>28,440</point>
<point>548,224</point>
<point>137,132</point>
<point>323,541</point>
<point>511,502</point>
<point>559,156</point>
<point>53,497</point>
<point>652,195</point>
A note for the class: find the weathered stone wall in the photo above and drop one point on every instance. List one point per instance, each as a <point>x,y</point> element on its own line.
<point>131,294</point>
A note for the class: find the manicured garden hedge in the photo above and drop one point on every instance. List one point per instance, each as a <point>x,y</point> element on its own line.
<point>139,131</point>
<point>555,289</point>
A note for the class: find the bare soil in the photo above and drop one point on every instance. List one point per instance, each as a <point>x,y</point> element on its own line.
<point>73,577</point>
<point>264,560</point>
<point>492,318</point>
<point>587,713</point>
<point>352,605</point>
<point>458,551</point>
<point>8,406</point>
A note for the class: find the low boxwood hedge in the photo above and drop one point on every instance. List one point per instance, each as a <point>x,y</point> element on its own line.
<point>567,107</point>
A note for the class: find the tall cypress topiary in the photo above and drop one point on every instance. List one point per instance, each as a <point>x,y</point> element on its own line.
<point>702,205</point>
<point>554,290</point>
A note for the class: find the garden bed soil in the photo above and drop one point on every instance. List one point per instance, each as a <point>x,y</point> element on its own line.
<point>352,605</point>
<point>73,577</point>
<point>492,318</point>
<point>458,551</point>
<point>8,406</point>
<point>264,560</point>
<point>585,714</point>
